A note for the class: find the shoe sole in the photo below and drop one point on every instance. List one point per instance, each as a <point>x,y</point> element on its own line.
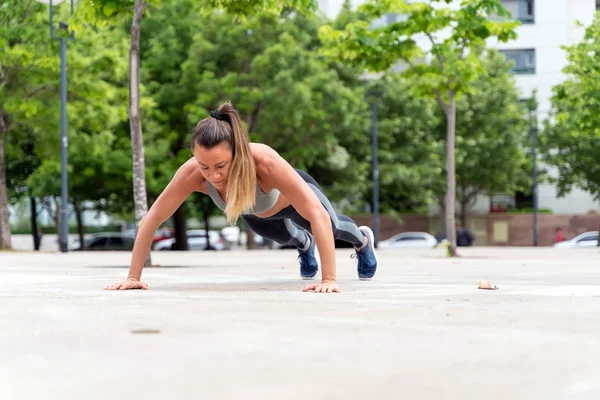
<point>372,241</point>
<point>318,258</point>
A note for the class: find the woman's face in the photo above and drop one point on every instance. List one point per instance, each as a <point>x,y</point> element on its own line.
<point>215,163</point>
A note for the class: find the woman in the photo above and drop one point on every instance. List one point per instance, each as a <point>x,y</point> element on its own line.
<point>276,201</point>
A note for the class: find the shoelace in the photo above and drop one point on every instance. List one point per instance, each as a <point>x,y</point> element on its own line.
<point>302,254</point>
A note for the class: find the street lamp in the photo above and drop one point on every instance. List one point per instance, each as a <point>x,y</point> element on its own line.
<point>64,214</point>
<point>374,93</point>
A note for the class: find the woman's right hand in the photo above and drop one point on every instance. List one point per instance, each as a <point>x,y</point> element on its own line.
<point>129,283</point>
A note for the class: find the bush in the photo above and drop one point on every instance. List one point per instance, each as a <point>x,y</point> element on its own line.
<point>529,210</point>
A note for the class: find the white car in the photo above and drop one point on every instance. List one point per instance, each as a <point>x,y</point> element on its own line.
<point>588,239</point>
<point>231,233</point>
<point>421,240</point>
<point>196,241</point>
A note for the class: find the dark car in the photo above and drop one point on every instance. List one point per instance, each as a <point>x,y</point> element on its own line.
<point>105,241</point>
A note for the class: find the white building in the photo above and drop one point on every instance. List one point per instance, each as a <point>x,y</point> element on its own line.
<point>539,61</point>
<point>546,26</point>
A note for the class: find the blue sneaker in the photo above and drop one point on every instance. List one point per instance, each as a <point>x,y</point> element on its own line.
<point>366,258</point>
<point>309,260</point>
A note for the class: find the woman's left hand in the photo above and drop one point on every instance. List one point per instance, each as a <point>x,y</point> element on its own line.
<point>323,287</point>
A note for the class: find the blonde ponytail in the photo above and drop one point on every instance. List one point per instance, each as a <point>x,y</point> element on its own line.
<point>241,185</point>
<point>225,125</point>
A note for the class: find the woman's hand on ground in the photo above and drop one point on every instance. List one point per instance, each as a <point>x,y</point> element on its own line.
<point>129,283</point>
<point>323,287</point>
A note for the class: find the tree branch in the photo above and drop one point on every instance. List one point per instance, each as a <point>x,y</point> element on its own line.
<point>409,62</point>
<point>2,73</point>
<point>27,11</point>
<point>430,36</point>
<point>36,91</point>
<point>440,100</point>
<point>4,121</point>
<point>462,50</point>
<point>253,117</point>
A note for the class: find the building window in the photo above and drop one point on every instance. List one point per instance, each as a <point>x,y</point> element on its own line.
<point>521,10</point>
<point>523,60</point>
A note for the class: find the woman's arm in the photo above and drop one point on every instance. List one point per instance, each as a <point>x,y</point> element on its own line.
<point>291,185</point>
<point>187,180</point>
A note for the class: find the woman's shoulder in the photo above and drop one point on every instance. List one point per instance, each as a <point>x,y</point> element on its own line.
<point>259,150</point>
<point>189,174</point>
<point>264,158</point>
<point>263,154</point>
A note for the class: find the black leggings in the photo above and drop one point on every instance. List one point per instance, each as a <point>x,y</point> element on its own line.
<point>287,226</point>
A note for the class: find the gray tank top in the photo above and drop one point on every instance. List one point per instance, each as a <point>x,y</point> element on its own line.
<point>264,201</point>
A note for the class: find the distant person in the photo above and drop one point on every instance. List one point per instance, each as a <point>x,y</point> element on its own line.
<point>559,235</point>
<point>252,181</point>
<point>464,237</point>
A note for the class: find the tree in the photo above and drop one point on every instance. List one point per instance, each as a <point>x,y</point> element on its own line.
<point>410,153</point>
<point>289,98</point>
<point>491,136</point>
<point>21,162</point>
<point>451,61</point>
<point>571,136</point>
<point>28,79</point>
<point>96,100</point>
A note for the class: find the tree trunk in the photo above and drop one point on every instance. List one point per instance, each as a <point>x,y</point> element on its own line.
<point>5,234</point>
<point>34,227</point>
<point>79,219</point>
<point>206,215</point>
<point>464,205</point>
<point>250,243</point>
<point>442,205</point>
<point>140,199</point>
<point>180,229</point>
<point>56,215</point>
<point>451,191</point>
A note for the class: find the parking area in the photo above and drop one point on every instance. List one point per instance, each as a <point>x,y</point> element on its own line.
<point>236,325</point>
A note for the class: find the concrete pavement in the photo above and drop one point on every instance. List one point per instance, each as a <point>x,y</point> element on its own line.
<point>235,325</point>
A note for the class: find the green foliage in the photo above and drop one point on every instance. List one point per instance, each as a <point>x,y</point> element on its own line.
<point>492,138</point>
<point>289,98</point>
<point>97,107</point>
<point>249,7</point>
<point>97,104</point>
<point>492,143</point>
<point>28,80</point>
<point>102,12</point>
<point>452,58</point>
<point>410,153</point>
<point>571,136</point>
<point>529,210</point>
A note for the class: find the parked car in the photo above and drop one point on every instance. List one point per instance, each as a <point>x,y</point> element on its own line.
<point>409,240</point>
<point>105,241</point>
<point>160,234</point>
<point>196,241</point>
<point>588,239</point>
<point>231,234</point>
